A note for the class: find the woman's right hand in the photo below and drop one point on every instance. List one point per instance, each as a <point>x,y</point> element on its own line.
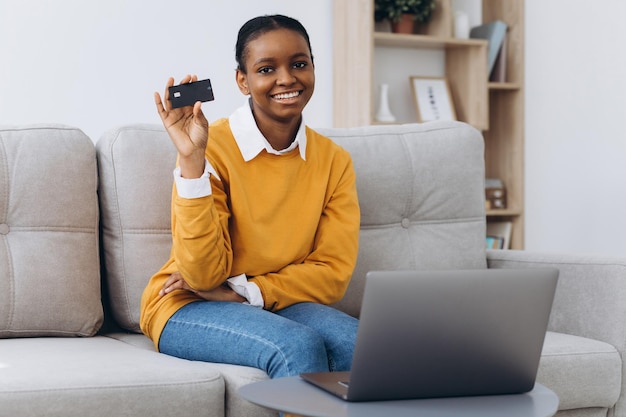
<point>188,129</point>
<point>221,293</point>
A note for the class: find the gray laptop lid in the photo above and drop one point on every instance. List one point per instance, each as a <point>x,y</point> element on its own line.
<point>450,333</point>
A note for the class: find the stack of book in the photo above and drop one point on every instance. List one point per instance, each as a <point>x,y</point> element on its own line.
<point>499,235</point>
<point>495,33</point>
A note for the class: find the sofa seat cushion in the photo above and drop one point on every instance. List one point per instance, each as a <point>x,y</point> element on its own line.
<point>100,376</point>
<point>234,377</point>
<point>584,373</point>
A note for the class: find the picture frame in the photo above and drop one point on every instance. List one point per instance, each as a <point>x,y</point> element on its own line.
<point>432,97</point>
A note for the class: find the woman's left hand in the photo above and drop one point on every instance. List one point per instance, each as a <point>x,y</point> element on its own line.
<point>221,293</point>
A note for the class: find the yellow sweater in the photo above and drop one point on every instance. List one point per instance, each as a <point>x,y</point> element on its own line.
<point>290,225</point>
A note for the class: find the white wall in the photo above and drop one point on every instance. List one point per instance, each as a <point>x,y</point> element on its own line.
<point>95,64</point>
<point>575,131</point>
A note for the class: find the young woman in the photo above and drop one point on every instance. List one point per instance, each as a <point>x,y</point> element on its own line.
<point>265,222</point>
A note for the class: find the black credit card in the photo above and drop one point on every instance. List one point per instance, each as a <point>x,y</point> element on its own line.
<point>187,94</point>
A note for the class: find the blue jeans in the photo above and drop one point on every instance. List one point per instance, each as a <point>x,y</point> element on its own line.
<point>305,337</point>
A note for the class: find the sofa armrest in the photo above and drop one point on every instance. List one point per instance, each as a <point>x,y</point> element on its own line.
<point>590,299</point>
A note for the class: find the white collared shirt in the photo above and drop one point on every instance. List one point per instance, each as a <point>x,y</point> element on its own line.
<point>251,143</point>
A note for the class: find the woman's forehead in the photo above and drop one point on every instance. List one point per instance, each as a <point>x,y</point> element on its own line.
<point>278,42</point>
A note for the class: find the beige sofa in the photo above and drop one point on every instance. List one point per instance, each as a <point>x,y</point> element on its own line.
<point>82,228</point>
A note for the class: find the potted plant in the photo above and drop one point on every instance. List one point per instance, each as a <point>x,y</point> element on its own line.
<point>403,14</point>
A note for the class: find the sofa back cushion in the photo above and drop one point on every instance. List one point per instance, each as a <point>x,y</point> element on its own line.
<point>421,192</point>
<point>49,261</point>
<point>135,165</point>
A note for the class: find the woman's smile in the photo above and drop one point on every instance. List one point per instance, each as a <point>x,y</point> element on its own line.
<point>285,97</point>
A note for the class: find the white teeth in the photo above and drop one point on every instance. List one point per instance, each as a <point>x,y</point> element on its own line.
<point>287,95</point>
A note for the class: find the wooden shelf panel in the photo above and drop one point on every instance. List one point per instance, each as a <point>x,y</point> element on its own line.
<point>423,41</point>
<point>509,212</point>
<point>504,86</point>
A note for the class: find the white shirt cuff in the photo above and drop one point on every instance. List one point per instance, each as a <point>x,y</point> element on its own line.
<point>195,187</point>
<point>249,290</point>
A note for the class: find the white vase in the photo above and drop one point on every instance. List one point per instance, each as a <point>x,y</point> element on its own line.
<point>461,25</point>
<point>384,112</point>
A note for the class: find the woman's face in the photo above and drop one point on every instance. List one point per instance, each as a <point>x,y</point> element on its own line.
<point>279,76</point>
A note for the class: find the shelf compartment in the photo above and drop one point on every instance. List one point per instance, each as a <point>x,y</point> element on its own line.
<point>465,69</point>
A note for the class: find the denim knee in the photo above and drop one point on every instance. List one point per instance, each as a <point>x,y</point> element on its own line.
<point>303,350</point>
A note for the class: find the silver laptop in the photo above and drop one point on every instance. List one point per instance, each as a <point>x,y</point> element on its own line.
<point>430,334</point>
